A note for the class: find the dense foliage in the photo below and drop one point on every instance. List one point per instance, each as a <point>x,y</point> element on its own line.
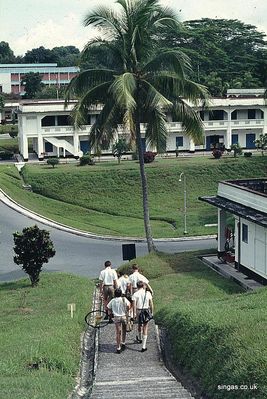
<point>32,83</point>
<point>33,248</point>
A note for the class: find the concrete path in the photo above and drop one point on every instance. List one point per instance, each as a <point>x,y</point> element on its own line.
<point>231,273</point>
<point>133,374</point>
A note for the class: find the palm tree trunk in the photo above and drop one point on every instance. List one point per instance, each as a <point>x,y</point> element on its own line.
<point>148,231</point>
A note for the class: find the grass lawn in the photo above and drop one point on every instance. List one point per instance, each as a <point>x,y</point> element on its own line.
<point>8,128</point>
<point>106,198</point>
<point>217,331</point>
<point>9,145</point>
<point>35,327</point>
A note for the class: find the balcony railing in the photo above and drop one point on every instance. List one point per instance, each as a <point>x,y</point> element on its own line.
<point>172,126</point>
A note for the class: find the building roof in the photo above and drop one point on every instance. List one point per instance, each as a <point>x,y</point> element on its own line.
<point>243,211</point>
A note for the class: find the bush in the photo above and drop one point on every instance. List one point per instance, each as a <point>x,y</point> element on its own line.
<point>237,149</point>
<point>217,153</point>
<point>86,160</point>
<point>33,248</point>
<point>53,162</point>
<point>5,155</point>
<point>149,156</point>
<point>247,154</point>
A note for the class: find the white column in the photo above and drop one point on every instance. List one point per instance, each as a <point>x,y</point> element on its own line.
<point>221,229</point>
<point>58,152</point>
<point>25,152</point>
<point>228,139</point>
<point>265,120</point>
<point>76,143</point>
<point>40,147</point>
<point>191,145</point>
<point>40,140</point>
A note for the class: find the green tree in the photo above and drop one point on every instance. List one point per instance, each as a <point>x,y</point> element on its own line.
<point>66,55</point>
<point>32,83</point>
<point>146,81</point>
<point>6,54</point>
<point>236,149</point>
<point>53,162</point>
<point>39,55</point>
<point>2,105</point>
<point>261,143</point>
<point>33,248</point>
<point>119,148</point>
<point>51,92</point>
<point>228,47</point>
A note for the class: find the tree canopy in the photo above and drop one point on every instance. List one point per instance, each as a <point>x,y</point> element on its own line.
<point>225,47</point>
<point>32,83</point>
<point>144,81</point>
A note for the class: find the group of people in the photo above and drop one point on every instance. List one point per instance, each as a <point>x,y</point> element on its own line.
<point>126,297</point>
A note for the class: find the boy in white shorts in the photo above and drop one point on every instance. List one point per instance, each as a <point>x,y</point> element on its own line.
<point>118,306</point>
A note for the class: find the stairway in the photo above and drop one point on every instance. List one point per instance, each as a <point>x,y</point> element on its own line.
<point>61,143</point>
<point>133,374</point>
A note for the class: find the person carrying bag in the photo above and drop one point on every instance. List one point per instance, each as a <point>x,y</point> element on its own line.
<point>143,312</point>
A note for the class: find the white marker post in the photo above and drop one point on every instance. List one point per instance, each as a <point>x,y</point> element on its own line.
<point>72,308</point>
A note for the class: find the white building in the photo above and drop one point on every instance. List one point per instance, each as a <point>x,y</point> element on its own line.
<point>52,75</point>
<point>247,201</point>
<point>235,119</point>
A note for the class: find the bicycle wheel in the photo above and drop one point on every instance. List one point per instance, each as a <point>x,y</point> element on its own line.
<point>97,319</point>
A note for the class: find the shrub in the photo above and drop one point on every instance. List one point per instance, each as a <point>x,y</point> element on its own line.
<point>149,156</point>
<point>86,160</point>
<point>217,153</point>
<point>53,162</point>
<point>5,155</point>
<point>237,149</point>
<point>33,248</point>
<point>247,154</point>
<point>13,132</point>
<point>119,148</point>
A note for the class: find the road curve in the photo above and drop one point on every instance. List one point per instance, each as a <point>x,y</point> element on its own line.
<point>74,254</point>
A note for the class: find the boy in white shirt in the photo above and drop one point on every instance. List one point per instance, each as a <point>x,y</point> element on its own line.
<point>123,282</point>
<point>108,280</point>
<point>142,299</point>
<point>135,277</point>
<point>119,306</point>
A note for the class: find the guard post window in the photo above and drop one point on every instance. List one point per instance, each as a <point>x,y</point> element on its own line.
<point>245,233</point>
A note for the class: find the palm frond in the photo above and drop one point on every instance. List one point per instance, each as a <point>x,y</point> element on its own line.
<point>190,119</point>
<point>172,60</point>
<point>123,91</point>
<point>86,80</point>
<point>105,127</point>
<point>154,99</point>
<point>105,18</point>
<point>156,130</point>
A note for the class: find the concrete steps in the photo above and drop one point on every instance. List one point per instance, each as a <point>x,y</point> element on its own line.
<point>133,374</point>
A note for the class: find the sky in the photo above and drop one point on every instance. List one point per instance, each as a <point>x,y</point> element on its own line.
<point>27,24</point>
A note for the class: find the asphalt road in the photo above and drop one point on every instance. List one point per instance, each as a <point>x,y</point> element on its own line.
<point>74,254</point>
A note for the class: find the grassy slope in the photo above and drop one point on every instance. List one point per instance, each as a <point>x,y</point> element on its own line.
<point>35,326</point>
<point>218,332</point>
<point>106,198</point>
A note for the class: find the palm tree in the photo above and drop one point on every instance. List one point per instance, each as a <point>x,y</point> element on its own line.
<point>142,82</point>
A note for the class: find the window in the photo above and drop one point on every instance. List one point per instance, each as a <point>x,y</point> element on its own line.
<point>244,232</point>
<point>234,115</point>
<point>63,120</point>
<point>251,114</point>
<point>201,114</point>
<point>48,147</point>
<point>262,115</point>
<point>48,121</point>
<point>234,138</point>
<point>179,141</point>
<point>216,115</point>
